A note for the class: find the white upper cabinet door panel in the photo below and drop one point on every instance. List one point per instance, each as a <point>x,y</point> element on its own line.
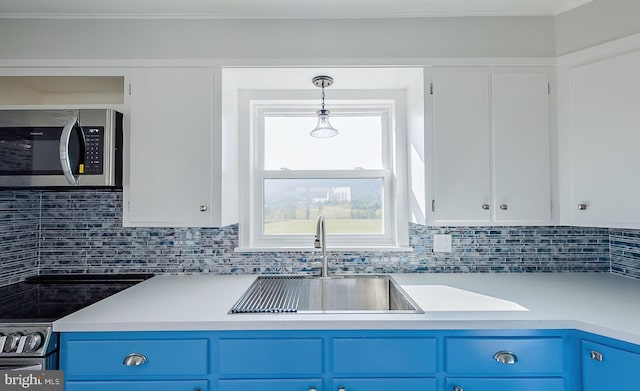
<point>461,132</point>
<point>604,120</point>
<point>520,103</point>
<point>171,172</point>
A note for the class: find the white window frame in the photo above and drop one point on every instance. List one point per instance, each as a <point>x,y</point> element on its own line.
<point>254,105</point>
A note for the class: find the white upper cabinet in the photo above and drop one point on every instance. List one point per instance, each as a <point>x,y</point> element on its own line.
<point>462,145</point>
<point>521,161</point>
<point>491,147</point>
<point>170,148</point>
<point>603,142</point>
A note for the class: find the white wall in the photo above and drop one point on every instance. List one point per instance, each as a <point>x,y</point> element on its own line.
<point>278,39</point>
<point>595,23</point>
<point>591,24</point>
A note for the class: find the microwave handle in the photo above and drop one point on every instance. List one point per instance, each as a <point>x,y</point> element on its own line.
<point>65,159</point>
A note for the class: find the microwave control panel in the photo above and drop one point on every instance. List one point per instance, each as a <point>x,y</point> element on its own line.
<point>94,143</point>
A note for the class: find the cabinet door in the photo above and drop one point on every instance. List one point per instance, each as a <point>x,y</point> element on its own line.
<point>170,160</point>
<point>384,384</point>
<point>270,384</point>
<point>521,165</point>
<point>370,356</point>
<point>604,121</point>
<point>520,384</point>
<point>270,357</point>
<point>182,385</point>
<point>608,368</point>
<point>461,147</point>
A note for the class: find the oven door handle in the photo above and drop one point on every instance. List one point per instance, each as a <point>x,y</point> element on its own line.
<point>65,158</point>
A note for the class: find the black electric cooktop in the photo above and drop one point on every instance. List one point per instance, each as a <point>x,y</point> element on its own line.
<point>51,297</point>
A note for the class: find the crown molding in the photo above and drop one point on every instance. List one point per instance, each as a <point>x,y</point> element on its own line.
<point>343,12</point>
<point>281,62</point>
<point>608,49</point>
<point>571,7</point>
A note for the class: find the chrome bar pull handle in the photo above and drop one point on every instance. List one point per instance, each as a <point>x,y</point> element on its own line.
<point>505,357</point>
<point>134,360</point>
<point>485,206</point>
<point>341,389</point>
<point>203,208</point>
<point>504,206</point>
<point>65,159</point>
<point>457,388</point>
<point>312,389</point>
<point>582,206</point>
<point>595,355</point>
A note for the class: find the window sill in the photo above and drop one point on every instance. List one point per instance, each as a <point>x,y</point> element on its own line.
<point>329,249</point>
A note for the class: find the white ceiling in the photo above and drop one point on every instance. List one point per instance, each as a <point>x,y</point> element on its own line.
<point>279,8</point>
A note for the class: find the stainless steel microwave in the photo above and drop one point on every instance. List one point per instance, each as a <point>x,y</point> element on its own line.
<point>60,148</point>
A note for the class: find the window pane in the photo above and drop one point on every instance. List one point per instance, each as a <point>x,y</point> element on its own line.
<point>289,145</point>
<point>350,206</point>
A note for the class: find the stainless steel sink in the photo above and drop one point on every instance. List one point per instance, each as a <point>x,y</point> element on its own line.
<point>335,294</point>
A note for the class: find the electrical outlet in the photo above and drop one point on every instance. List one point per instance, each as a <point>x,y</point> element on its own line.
<point>441,243</point>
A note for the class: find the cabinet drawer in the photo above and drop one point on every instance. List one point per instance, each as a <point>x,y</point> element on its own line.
<point>532,356</point>
<point>522,384</point>
<point>382,384</point>
<point>278,357</point>
<point>100,359</point>
<point>185,385</point>
<point>270,384</point>
<point>384,356</point>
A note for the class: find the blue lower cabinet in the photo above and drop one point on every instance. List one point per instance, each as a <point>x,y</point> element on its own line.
<point>136,361</point>
<point>518,384</point>
<point>163,357</point>
<point>497,357</point>
<point>182,385</point>
<point>270,384</point>
<point>327,360</point>
<point>609,368</point>
<point>383,357</point>
<point>270,357</point>
<point>385,384</point>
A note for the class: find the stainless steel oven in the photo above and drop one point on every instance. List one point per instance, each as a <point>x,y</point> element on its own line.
<point>28,346</point>
<point>29,308</point>
<point>60,148</point>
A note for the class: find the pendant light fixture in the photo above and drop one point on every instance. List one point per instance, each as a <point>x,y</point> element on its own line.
<point>323,128</point>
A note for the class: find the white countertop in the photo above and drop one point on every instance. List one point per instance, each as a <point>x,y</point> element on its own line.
<point>600,303</point>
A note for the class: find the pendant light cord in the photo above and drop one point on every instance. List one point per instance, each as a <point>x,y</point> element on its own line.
<point>323,97</point>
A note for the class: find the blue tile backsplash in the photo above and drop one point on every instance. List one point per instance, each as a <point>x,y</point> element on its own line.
<point>81,232</point>
<point>19,235</point>
<point>625,252</point>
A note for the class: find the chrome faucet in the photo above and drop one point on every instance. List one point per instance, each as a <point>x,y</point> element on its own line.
<point>320,242</point>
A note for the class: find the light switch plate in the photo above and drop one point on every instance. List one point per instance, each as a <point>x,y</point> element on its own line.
<point>441,243</point>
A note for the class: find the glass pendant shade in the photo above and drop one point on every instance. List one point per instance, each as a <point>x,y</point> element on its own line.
<point>323,128</point>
